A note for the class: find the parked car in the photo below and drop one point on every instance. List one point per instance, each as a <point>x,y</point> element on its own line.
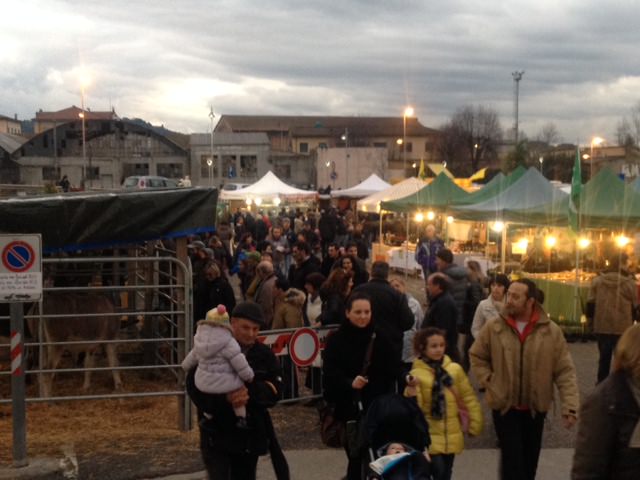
<point>147,181</point>
<point>234,186</point>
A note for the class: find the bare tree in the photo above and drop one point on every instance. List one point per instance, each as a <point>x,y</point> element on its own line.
<point>549,134</point>
<point>628,129</point>
<point>470,138</point>
<point>623,133</point>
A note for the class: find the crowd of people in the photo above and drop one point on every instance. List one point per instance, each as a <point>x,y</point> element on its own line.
<point>299,269</point>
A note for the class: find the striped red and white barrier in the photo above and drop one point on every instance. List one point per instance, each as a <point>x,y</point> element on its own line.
<point>16,353</point>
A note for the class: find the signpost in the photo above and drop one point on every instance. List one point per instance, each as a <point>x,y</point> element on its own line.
<point>20,281</point>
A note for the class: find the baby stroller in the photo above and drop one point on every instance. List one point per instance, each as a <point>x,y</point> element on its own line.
<point>393,418</point>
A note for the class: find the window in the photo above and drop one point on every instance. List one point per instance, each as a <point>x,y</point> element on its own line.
<point>428,146</point>
<point>283,171</point>
<point>170,170</point>
<point>380,144</point>
<point>50,173</point>
<point>248,165</point>
<point>204,167</point>
<point>304,147</point>
<point>45,141</point>
<point>93,173</point>
<point>322,146</point>
<point>409,147</point>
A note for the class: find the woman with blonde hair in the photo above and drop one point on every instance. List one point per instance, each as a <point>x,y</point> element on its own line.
<point>608,441</point>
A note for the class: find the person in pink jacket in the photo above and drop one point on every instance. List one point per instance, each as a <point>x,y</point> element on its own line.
<point>222,368</point>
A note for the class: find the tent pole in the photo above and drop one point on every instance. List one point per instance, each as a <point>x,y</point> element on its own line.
<point>576,291</point>
<point>503,249</point>
<point>406,250</point>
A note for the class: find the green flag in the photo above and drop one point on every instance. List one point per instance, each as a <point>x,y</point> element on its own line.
<point>576,188</point>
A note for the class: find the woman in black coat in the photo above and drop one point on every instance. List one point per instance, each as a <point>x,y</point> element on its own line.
<point>349,376</point>
<point>608,440</point>
<point>333,293</point>
<point>215,290</point>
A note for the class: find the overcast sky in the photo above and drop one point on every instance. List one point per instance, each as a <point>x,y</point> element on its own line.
<point>167,61</point>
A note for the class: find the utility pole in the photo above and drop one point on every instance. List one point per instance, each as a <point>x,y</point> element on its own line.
<point>211,166</point>
<point>517,76</point>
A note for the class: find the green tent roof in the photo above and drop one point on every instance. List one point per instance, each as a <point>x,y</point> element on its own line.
<point>497,185</point>
<point>604,202</point>
<point>439,194</point>
<point>530,190</point>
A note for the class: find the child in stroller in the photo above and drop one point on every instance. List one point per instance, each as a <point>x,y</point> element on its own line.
<point>397,435</point>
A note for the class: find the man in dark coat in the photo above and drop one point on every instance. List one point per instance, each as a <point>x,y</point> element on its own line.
<point>390,310</point>
<point>304,264</point>
<point>329,260</point>
<point>227,450</point>
<point>327,226</point>
<point>442,312</point>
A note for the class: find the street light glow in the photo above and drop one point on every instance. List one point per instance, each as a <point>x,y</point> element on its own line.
<point>408,112</point>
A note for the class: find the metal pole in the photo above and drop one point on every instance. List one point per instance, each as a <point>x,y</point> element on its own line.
<point>211,116</point>
<point>503,249</point>
<point>404,145</point>
<point>84,143</point>
<point>18,393</point>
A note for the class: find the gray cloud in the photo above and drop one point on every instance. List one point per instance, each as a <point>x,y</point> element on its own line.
<point>167,61</point>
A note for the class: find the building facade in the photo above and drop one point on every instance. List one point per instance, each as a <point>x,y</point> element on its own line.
<point>296,141</point>
<point>235,158</point>
<point>115,149</point>
<point>9,125</point>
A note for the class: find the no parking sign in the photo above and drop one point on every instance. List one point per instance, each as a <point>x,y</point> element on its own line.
<point>304,347</point>
<point>20,268</point>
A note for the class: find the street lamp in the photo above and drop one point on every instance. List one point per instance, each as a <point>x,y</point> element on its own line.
<point>210,164</point>
<point>210,161</point>
<point>594,141</point>
<point>408,112</point>
<point>84,82</point>
<point>541,160</point>
<point>345,139</point>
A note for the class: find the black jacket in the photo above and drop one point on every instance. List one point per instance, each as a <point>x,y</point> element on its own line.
<point>213,293</point>
<point>608,418</point>
<point>221,429</point>
<point>343,360</point>
<point>333,308</point>
<point>298,274</point>
<point>391,313</point>
<point>443,313</point>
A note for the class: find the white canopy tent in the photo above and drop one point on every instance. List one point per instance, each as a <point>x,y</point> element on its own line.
<point>399,190</point>
<point>267,189</point>
<point>367,187</point>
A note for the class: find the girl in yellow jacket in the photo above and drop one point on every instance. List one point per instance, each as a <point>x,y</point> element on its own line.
<point>442,389</point>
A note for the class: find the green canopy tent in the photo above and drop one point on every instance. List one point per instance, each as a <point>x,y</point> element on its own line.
<point>497,185</point>
<point>438,195</point>
<point>604,202</point>
<point>529,190</point>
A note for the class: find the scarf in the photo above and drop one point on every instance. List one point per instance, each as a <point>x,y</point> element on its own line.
<point>441,380</point>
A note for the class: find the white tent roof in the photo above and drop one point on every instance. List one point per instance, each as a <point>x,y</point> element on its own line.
<point>365,188</point>
<point>399,190</point>
<point>267,188</point>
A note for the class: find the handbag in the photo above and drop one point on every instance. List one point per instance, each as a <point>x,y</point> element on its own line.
<point>463,412</point>
<point>332,430</point>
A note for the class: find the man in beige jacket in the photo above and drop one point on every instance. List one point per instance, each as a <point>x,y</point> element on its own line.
<point>615,297</point>
<point>518,357</point>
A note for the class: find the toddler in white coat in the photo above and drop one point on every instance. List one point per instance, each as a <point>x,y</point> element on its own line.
<point>222,367</point>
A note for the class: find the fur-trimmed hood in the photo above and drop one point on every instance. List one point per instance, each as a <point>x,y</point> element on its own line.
<point>295,297</point>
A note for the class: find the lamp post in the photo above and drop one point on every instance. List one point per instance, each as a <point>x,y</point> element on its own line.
<point>541,160</point>
<point>594,141</point>
<point>345,139</point>
<point>408,112</point>
<point>210,161</point>
<point>84,82</point>
<point>210,164</point>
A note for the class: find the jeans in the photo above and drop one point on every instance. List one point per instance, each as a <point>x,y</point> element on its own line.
<point>520,437</point>
<point>442,466</point>
<point>606,345</point>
